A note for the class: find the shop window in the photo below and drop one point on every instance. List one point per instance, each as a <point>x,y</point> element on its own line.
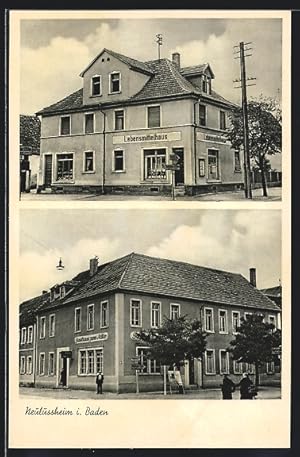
<point>89,161</point>
<point>52,325</point>
<point>210,365</point>
<point>135,313</point>
<point>119,119</point>
<point>201,168</point>
<point>89,123</point>
<point>154,163</point>
<point>65,125</point>
<point>90,361</point>
<point>77,320</point>
<point>224,361</point>
<point>115,82</point>
<point>118,160</point>
<point>29,364</point>
<point>42,327</point>
<point>23,335</point>
<point>155,314</point>
<point>22,364</point>
<point>202,115</point>
<point>104,314</point>
<point>209,319</point>
<point>174,311</point>
<point>148,365</point>
<point>153,116</point>
<point>90,317</point>
<point>64,167</point>
<point>213,164</point>
<point>96,85</point>
<point>235,321</point>
<point>237,161</point>
<point>223,324</point>
<point>51,364</point>
<point>42,364</point>
<point>222,120</point>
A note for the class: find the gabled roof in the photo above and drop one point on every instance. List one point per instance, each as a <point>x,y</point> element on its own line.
<point>196,70</point>
<point>273,291</point>
<point>29,308</point>
<point>132,63</point>
<point>70,102</point>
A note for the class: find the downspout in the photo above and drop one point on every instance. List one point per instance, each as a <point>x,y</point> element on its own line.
<point>35,351</point>
<point>195,142</point>
<point>104,150</point>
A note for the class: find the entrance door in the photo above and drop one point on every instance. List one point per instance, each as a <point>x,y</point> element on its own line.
<point>213,164</point>
<point>48,170</point>
<point>63,371</point>
<point>179,174</point>
<point>191,372</point>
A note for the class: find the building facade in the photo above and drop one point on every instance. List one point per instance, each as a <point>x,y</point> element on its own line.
<point>90,324</point>
<point>119,132</point>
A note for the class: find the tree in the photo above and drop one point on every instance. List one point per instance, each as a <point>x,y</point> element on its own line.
<point>254,342</point>
<point>264,122</point>
<point>175,341</point>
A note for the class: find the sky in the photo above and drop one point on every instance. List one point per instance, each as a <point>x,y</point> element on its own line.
<point>54,52</point>
<point>231,240</point>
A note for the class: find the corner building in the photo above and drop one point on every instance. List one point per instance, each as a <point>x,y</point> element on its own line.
<point>90,323</point>
<point>116,133</point>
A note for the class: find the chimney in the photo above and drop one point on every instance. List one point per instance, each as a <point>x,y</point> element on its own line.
<point>176,59</point>
<point>93,266</point>
<point>253,277</point>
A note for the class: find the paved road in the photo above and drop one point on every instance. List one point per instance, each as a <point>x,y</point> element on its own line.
<point>274,195</point>
<point>214,394</point>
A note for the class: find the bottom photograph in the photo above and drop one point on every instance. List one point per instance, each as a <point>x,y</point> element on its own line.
<point>150,304</point>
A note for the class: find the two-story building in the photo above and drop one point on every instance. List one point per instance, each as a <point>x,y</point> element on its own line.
<point>119,131</point>
<point>90,323</point>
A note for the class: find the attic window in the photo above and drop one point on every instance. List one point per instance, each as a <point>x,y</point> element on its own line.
<point>115,83</point>
<point>96,85</point>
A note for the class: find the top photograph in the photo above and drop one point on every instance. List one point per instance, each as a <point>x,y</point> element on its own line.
<point>186,109</point>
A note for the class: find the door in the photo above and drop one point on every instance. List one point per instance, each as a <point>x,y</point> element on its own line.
<point>179,174</point>
<point>213,164</point>
<point>63,374</point>
<point>48,170</point>
<point>191,372</point>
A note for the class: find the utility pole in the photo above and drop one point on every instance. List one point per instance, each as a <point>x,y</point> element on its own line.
<point>159,43</point>
<point>243,86</point>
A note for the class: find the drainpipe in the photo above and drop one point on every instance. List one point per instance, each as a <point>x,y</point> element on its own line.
<point>35,356</point>
<point>195,141</point>
<point>104,149</point>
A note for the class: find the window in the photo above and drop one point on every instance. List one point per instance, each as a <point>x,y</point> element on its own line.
<point>88,162</point>
<point>148,365</point>
<point>42,364</point>
<point>104,314</point>
<point>237,367</point>
<point>224,361</point>
<point>64,167</point>
<point>51,364</point>
<point>204,83</point>
<point>155,314</point>
<point>29,364</point>
<point>210,361</point>
<point>90,317</point>
<point>65,125</point>
<point>23,335</point>
<point>213,164</point>
<point>202,115</point>
<point>90,361</point>
<point>115,82</point>
<point>89,123</point>
<point>223,325</point>
<point>209,319</point>
<point>96,85</point>
<point>155,161</point>
<point>272,320</point>
<point>30,334</point>
<point>249,368</point>
<point>135,313</point>
<point>246,315</point>
<point>42,327</point>
<point>153,116</point>
<point>270,367</point>
<point>52,325</point>
<point>22,364</point>
<point>201,168</point>
<point>174,311</point>
<point>62,291</point>
<point>222,120</point>
<point>119,119</point>
<point>235,321</point>
<point>118,160</point>
<point>237,161</point>
<point>77,320</point>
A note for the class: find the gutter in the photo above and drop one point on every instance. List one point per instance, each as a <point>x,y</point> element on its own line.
<point>104,149</point>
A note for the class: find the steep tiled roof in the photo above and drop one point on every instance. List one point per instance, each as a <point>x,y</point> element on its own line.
<point>28,308</point>
<point>72,101</point>
<point>30,133</point>
<point>273,291</point>
<point>144,274</point>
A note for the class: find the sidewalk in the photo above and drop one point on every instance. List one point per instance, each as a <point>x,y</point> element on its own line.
<point>264,393</point>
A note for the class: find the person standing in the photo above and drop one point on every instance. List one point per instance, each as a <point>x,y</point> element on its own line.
<point>99,381</point>
<point>227,387</point>
<point>245,387</point>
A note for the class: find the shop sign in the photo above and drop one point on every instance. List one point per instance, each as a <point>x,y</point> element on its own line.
<point>212,138</point>
<point>91,338</point>
<point>148,137</point>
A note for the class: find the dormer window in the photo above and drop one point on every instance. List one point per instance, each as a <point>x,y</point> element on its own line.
<point>62,291</point>
<point>204,84</point>
<point>114,83</point>
<point>96,85</point>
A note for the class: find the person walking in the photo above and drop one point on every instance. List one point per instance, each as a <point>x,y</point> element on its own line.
<point>99,381</point>
<point>245,387</point>
<point>227,387</point>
